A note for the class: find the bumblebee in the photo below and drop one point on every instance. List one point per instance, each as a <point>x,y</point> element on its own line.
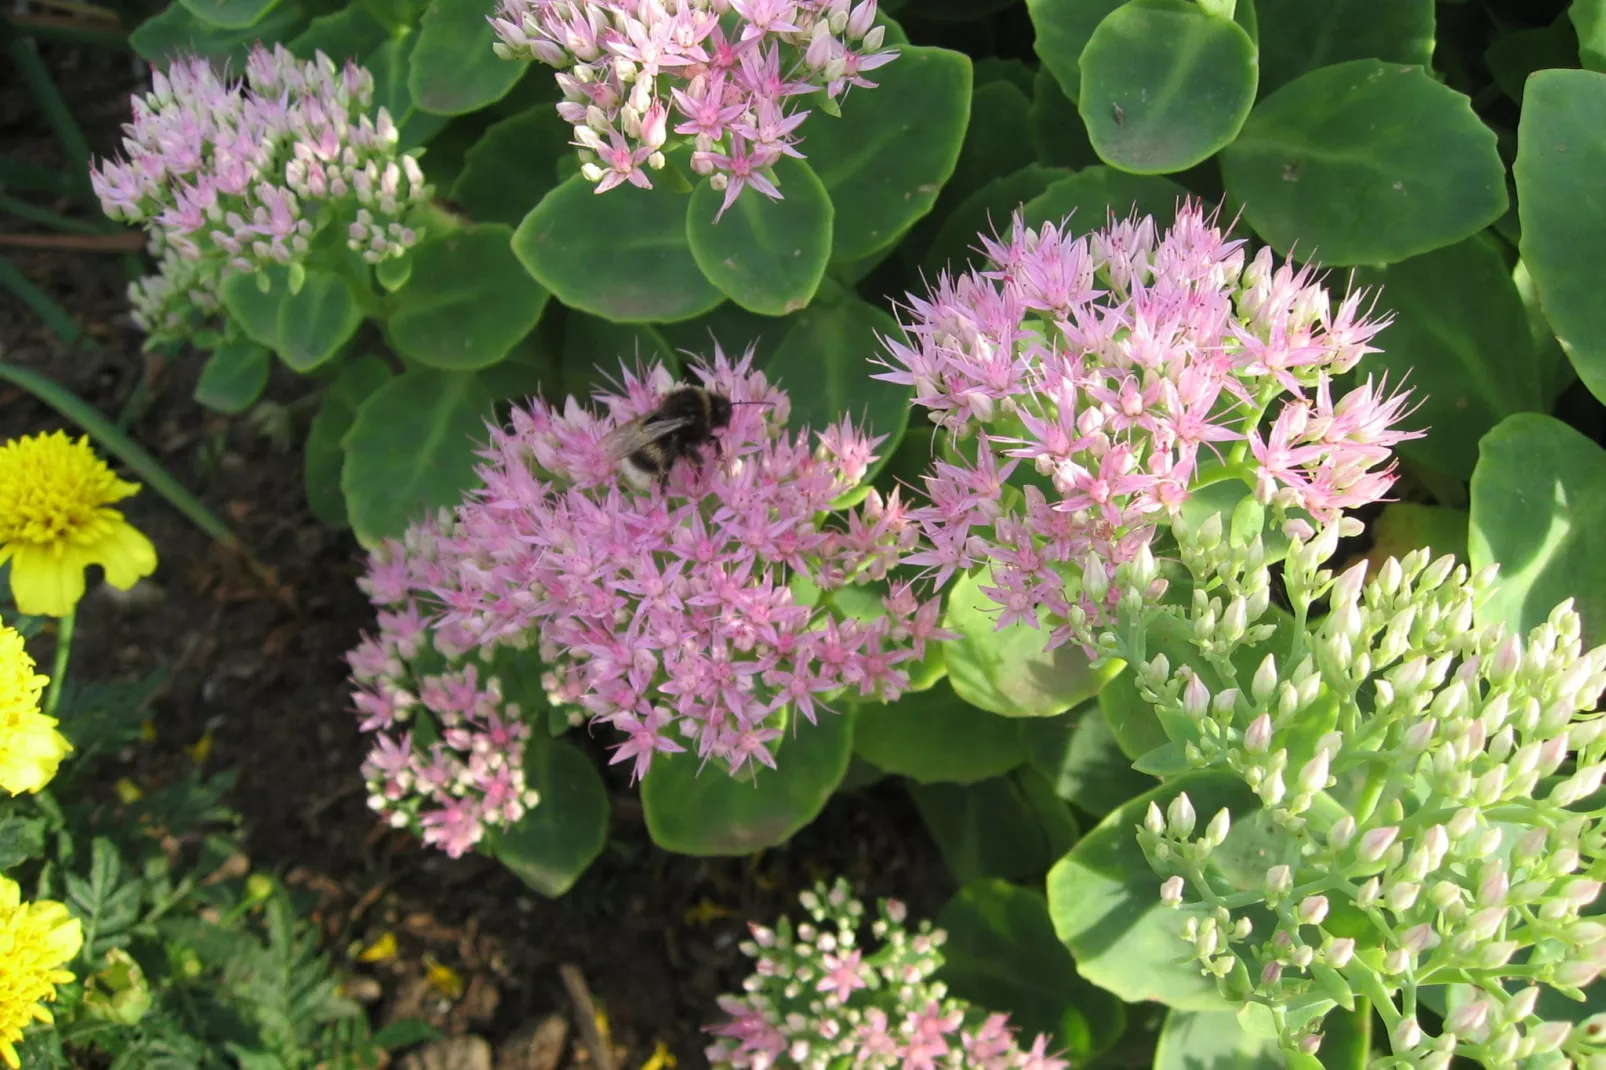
<point>647,448</point>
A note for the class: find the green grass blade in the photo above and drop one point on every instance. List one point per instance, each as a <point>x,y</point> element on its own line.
<point>55,317</point>
<point>45,217</point>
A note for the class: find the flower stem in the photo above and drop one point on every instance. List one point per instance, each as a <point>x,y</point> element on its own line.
<point>58,668</point>
<point>126,449</point>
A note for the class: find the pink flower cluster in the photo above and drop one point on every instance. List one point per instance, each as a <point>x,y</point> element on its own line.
<point>818,999</point>
<point>448,757</point>
<point>720,73</point>
<point>1127,368</point>
<point>223,174</point>
<point>682,607</point>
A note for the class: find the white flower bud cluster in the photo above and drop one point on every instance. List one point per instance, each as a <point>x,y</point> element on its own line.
<point>818,999</point>
<point>1429,783</point>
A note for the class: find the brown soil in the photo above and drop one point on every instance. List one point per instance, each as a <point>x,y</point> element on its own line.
<point>257,662</point>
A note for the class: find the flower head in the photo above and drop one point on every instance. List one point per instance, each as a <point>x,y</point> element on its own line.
<point>229,177</point>
<point>1105,377</point>
<point>30,746</point>
<point>36,941</point>
<point>881,1007</point>
<point>674,610</point>
<point>56,520</point>
<point>720,74</point>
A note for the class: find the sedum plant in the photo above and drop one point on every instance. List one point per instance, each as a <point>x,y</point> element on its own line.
<point>821,996</point>
<point>1421,789</point>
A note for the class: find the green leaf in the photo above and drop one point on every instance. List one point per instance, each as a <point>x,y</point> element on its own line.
<point>621,255</point>
<point>1405,526</point>
<point>404,1033</point>
<point>886,158</point>
<point>512,166</point>
<point>349,33</point>
<point>998,141</point>
<point>1297,36</point>
<point>1538,507</point>
<point>1090,197</point>
<point>1589,19</point>
<point>564,833</point>
<point>1105,901</point>
<point>1513,56</point>
<point>160,38</point>
<point>389,64</point>
<point>1064,28</point>
<point>1165,85</point>
<point>1560,158</point>
<point>767,256</point>
<point>1213,1040</point>
<point>411,449</point>
<point>823,363</point>
<point>305,328</point>
<point>1365,162</point>
<point>1006,670</point>
<point>992,828</point>
<point>1136,728</point>
<point>1001,954</point>
<point>452,70</point>
<point>1081,758</point>
<point>21,838</point>
<point>931,736</point>
<point>987,211</point>
<point>1057,131</point>
<point>233,377</point>
<point>324,455</point>
<point>594,350</point>
<point>1460,340</point>
<point>230,14</point>
<point>466,302</point>
<point>716,814</point>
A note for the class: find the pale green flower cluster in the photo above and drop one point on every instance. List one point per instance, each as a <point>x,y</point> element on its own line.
<point>1430,826</point>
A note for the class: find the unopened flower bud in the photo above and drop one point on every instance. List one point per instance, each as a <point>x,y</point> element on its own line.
<point>1180,817</point>
<point>1314,777</point>
<point>1154,820</point>
<point>1312,910</point>
<point>1375,842</point>
<point>1406,1035</point>
<point>1339,952</point>
<point>1279,880</point>
<point>1171,891</point>
<point>1220,825</point>
<point>1366,895</point>
<point>1257,737</point>
<point>1265,681</point>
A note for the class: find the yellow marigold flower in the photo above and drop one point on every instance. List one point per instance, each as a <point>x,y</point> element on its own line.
<point>30,746</point>
<point>36,941</point>
<point>55,521</point>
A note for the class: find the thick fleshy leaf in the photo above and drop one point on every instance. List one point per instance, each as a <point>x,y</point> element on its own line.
<point>1365,162</point>
<point>1063,29</point>
<point>1297,36</point>
<point>1092,196</point>
<point>1165,84</point>
<point>337,411</point>
<point>1105,901</point>
<point>1556,371</point>
<point>823,363</point>
<point>886,157</point>
<point>595,350</point>
<point>512,166</point>
<point>466,301</point>
<point>175,31</point>
<point>234,377</point>
<point>1460,340</point>
<point>935,736</point>
<point>1132,721</point>
<point>1405,526</point>
<point>994,828</point>
<point>1589,20</point>
<point>1001,954</point>
<point>767,256</point>
<point>1513,56</point>
<point>531,367</point>
<point>1213,1040</point>
<point>1058,134</point>
<point>412,448</point>
<point>389,64</point>
<point>453,71</point>
<point>230,14</point>
<point>1006,670</point>
<point>350,33</point>
<point>1538,508</point>
<point>561,835</point>
<point>305,328</point>
<point>998,140</point>
<point>1080,756</point>
<point>992,69</point>
<point>1560,158</point>
<point>985,212</point>
<point>621,255</point>
<point>715,814</point>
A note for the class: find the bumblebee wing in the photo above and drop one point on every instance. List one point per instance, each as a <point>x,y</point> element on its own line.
<point>626,439</point>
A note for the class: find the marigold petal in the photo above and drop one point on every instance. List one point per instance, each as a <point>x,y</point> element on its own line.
<point>126,555</point>
<point>44,584</point>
